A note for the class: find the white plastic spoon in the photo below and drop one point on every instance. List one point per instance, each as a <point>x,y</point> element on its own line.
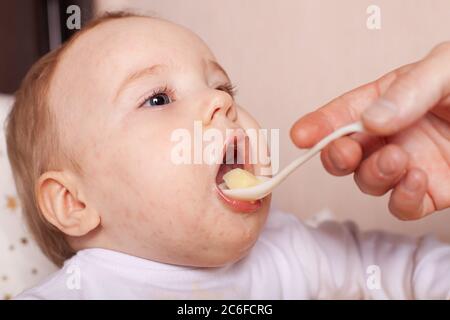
<point>263,189</point>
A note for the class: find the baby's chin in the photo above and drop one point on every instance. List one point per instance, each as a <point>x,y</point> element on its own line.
<point>215,235</point>
<point>225,254</point>
<point>235,233</point>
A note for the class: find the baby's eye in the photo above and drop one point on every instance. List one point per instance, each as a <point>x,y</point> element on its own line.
<point>228,88</point>
<point>158,99</point>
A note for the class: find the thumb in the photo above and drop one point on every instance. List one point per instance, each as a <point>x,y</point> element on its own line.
<point>411,95</point>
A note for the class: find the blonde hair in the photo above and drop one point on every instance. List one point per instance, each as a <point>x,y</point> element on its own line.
<point>33,143</point>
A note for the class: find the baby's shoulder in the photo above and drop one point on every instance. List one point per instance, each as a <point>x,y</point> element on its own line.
<point>63,284</point>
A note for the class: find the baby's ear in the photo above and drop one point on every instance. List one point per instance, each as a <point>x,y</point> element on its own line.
<point>61,201</point>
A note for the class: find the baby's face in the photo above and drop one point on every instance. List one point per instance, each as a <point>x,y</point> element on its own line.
<point>150,206</point>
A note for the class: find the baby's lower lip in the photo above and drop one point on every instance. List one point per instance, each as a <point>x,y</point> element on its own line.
<point>239,205</point>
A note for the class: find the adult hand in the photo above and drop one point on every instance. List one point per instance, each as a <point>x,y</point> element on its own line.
<point>407,150</point>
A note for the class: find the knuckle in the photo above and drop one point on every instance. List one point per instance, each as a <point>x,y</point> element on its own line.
<point>367,187</point>
<point>407,84</point>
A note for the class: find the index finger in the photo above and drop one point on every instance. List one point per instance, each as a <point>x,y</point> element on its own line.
<point>312,127</point>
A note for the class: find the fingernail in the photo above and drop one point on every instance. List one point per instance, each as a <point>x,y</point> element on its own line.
<point>380,113</point>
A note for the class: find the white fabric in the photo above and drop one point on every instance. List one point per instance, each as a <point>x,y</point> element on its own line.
<point>289,261</point>
<point>21,262</point>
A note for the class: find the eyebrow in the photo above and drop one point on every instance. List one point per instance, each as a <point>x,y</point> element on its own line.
<point>139,74</point>
<point>155,70</point>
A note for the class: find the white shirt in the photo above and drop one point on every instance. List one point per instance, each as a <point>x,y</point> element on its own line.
<point>290,260</point>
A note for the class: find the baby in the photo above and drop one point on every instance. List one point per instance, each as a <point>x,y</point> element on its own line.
<point>89,141</point>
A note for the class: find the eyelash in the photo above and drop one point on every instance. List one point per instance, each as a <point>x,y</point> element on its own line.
<point>164,89</point>
<point>227,87</point>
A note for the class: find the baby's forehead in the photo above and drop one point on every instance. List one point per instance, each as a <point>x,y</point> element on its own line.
<point>102,56</point>
<point>132,39</point>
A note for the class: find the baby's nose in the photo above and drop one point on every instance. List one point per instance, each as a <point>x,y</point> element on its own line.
<point>221,104</point>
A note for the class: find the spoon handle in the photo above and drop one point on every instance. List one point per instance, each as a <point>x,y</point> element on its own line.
<point>351,128</point>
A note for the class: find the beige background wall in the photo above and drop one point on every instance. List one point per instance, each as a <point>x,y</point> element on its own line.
<point>289,57</point>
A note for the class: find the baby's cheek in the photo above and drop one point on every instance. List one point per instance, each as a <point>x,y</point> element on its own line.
<point>186,204</point>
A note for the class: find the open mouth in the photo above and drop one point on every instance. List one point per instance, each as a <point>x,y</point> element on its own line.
<point>236,154</point>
